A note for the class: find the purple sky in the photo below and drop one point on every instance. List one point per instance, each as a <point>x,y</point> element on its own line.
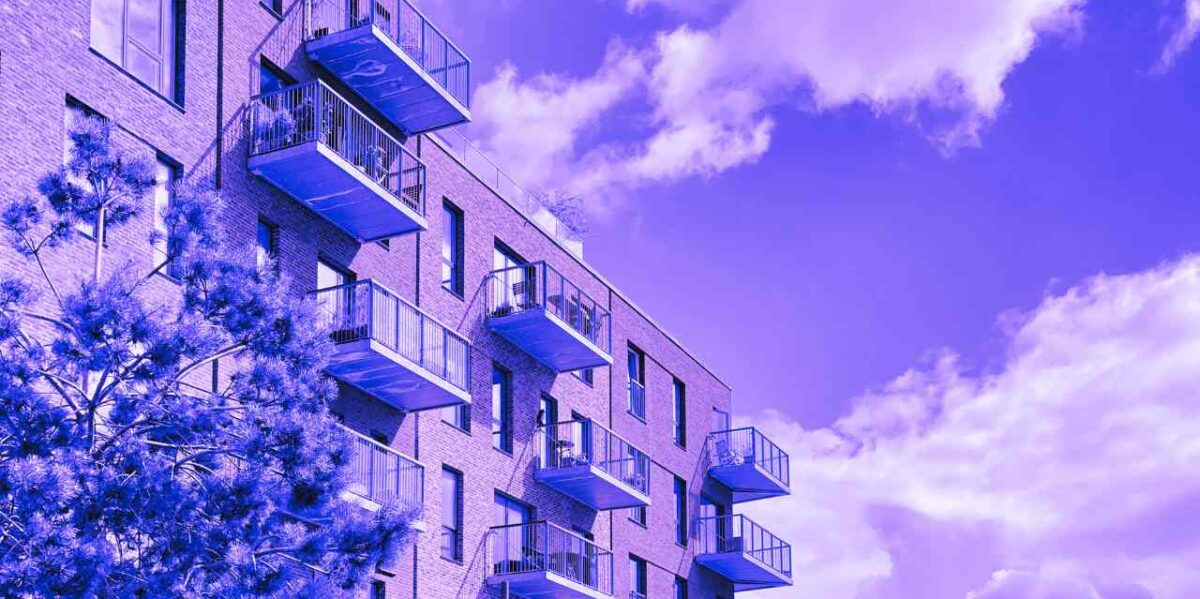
<point>884,223</point>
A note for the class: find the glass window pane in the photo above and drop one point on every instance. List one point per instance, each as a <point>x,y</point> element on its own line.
<point>106,28</point>
<point>145,24</point>
<point>144,66</point>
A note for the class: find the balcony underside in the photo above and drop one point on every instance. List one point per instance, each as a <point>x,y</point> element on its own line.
<point>337,190</point>
<point>592,486</point>
<point>374,66</point>
<point>748,482</point>
<point>544,584</point>
<point>746,572</point>
<point>392,378</point>
<point>548,339</point>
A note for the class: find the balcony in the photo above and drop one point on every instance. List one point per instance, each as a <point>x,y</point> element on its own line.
<point>743,552</point>
<point>542,560</point>
<point>748,464</point>
<point>310,143</point>
<point>592,465</point>
<point>392,56</point>
<point>539,310</point>
<point>380,475</point>
<point>392,350</point>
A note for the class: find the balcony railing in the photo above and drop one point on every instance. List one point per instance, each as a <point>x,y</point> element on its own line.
<point>401,22</point>
<point>539,286</point>
<point>737,534</point>
<point>637,399</point>
<point>383,475</point>
<point>365,310</point>
<point>586,443</point>
<point>541,547</point>
<point>312,112</point>
<point>748,447</point>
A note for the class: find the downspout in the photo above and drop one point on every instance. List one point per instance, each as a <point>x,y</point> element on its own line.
<point>220,90</point>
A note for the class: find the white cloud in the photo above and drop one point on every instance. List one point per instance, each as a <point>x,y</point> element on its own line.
<point>939,63</point>
<point>1185,33</point>
<point>1072,471</point>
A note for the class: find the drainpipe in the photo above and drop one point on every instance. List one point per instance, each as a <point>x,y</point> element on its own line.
<point>220,91</point>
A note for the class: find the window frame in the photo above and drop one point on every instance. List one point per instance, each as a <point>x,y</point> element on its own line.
<point>679,493</point>
<point>639,515</point>
<point>455,531</point>
<point>175,173</point>
<point>170,55</point>
<point>633,352</point>
<point>639,576</point>
<point>454,218</point>
<point>502,409</point>
<point>272,251</point>
<point>679,413</point>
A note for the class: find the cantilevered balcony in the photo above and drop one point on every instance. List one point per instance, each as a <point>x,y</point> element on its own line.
<point>392,56</point>
<point>392,350</point>
<point>539,310</point>
<point>592,465</point>
<point>309,142</point>
<point>380,475</point>
<point>743,552</point>
<point>541,560</point>
<point>748,464</point>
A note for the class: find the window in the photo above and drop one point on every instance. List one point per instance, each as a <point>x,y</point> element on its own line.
<point>587,375</point>
<point>452,248</point>
<point>140,37</point>
<point>277,6</point>
<point>510,512</point>
<point>73,114</point>
<point>378,589</point>
<point>680,588</point>
<point>547,418</point>
<point>452,514</point>
<point>267,245</point>
<point>637,383</point>
<point>638,514</point>
<point>711,524</point>
<point>680,511</point>
<point>458,416</point>
<point>333,305</point>
<point>272,78</point>
<point>166,173</point>
<point>637,577</point>
<point>501,409</point>
<point>679,412</point>
<point>510,292</point>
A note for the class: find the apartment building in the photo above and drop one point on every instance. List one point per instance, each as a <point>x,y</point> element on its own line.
<point>558,442</point>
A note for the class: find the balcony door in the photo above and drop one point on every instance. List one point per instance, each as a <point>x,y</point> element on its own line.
<point>714,525</point>
<point>518,547</point>
<point>334,300</point>
<point>513,289</point>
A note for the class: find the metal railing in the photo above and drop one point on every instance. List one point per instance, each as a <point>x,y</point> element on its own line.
<point>544,547</point>
<point>537,286</point>
<point>367,310</point>
<point>739,534</point>
<point>637,399</point>
<point>312,111</point>
<point>748,446</point>
<point>483,167</point>
<point>584,442</point>
<point>420,39</point>
<point>383,475</point>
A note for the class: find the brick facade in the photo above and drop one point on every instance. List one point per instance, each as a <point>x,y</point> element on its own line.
<point>46,58</point>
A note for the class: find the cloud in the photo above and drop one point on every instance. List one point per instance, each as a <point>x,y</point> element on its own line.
<point>1070,471</point>
<point>939,64</point>
<point>1185,33</point>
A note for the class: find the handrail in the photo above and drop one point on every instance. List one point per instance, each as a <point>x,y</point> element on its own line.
<point>537,286</point>
<point>504,185</point>
<point>313,111</point>
<point>385,475</point>
<point>747,445</point>
<point>545,547</point>
<point>736,533</point>
<point>367,310</point>
<point>585,442</point>
<point>416,35</point>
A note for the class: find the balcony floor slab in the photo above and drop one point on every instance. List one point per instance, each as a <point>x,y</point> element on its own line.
<point>390,377</point>
<point>379,70</point>
<point>546,585</point>
<point>333,187</point>
<point>744,570</point>
<point>548,339</point>
<point>592,486</point>
<point>749,482</point>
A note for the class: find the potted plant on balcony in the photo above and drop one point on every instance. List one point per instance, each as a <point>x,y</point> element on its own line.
<point>272,128</point>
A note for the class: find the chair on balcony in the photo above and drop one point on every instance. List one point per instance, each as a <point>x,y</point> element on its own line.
<point>727,455</point>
